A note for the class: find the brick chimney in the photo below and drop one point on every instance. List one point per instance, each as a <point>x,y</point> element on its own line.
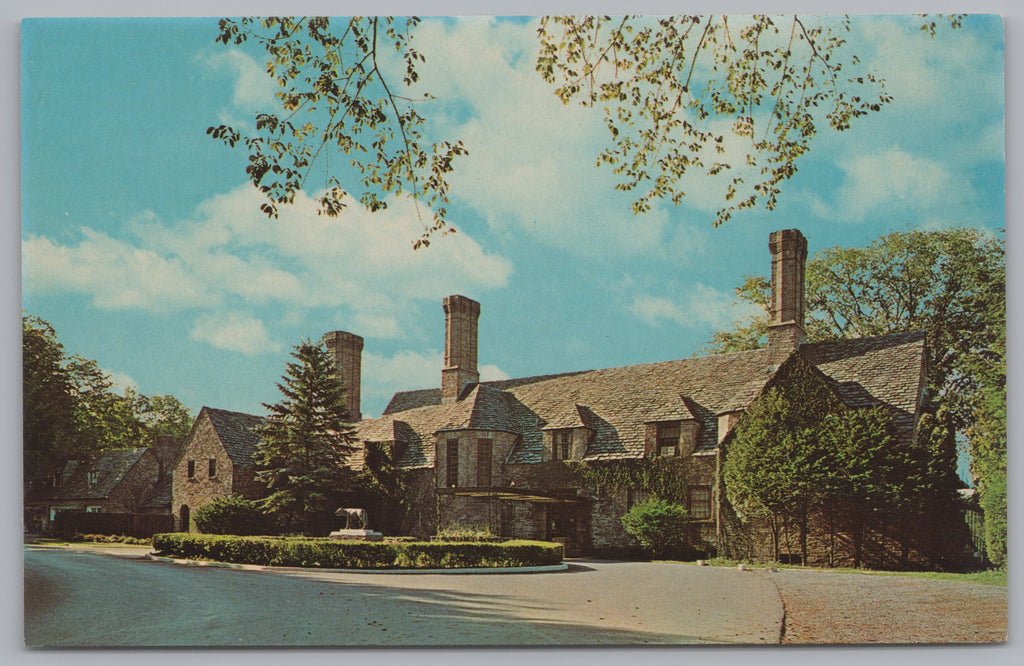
<point>460,333</point>
<point>347,352</point>
<point>786,329</point>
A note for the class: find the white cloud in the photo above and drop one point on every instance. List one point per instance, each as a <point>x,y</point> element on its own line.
<point>383,376</point>
<point>117,275</point>
<point>896,180</point>
<point>701,306</point>
<point>492,373</point>
<point>531,165</point>
<point>230,254</point>
<point>232,331</point>
<point>253,90</point>
<point>121,381</point>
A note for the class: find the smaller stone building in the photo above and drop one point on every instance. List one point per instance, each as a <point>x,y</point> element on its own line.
<point>121,481</point>
<point>215,460</point>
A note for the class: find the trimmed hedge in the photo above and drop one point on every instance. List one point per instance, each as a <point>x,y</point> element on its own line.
<point>331,554</point>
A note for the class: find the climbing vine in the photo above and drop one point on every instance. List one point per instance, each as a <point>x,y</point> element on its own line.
<point>662,478</point>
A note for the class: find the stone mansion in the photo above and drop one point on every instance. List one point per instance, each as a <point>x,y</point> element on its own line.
<point>491,453</point>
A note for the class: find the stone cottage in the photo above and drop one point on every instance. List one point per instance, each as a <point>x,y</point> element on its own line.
<point>124,481</point>
<point>214,461</point>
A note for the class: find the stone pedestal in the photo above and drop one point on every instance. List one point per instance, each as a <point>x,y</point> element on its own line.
<point>356,535</point>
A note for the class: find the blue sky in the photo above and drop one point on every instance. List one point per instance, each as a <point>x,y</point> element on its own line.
<point>143,245</point>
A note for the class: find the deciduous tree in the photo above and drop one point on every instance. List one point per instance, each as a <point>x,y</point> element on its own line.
<point>736,99</point>
<point>335,96</point>
<point>951,284</point>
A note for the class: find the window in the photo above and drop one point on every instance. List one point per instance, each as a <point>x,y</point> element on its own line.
<point>452,463</point>
<point>213,467</point>
<point>93,477</point>
<point>93,509</point>
<point>484,453</point>
<point>561,444</point>
<point>58,479</point>
<point>191,469</point>
<point>668,439</point>
<point>700,502</point>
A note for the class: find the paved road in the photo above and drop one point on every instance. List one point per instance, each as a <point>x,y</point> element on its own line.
<point>85,598</point>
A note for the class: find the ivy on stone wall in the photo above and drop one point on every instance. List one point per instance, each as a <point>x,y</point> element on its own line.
<point>662,478</point>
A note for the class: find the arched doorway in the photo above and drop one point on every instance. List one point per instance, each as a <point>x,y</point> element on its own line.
<point>185,519</point>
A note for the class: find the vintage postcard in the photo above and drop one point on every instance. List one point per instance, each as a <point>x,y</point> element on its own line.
<point>523,331</point>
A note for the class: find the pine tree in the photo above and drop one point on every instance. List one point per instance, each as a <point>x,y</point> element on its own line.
<point>306,445</point>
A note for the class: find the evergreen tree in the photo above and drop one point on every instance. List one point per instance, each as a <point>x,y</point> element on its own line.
<point>305,448</point>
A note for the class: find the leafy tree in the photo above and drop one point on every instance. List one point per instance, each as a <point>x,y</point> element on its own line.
<point>950,284</point>
<point>678,94</point>
<point>332,74</point>
<point>773,465</point>
<point>48,406</point>
<point>993,504</point>
<point>71,410</point>
<point>305,446</point>
<point>660,526</point>
<point>164,415</point>
<point>864,471</point>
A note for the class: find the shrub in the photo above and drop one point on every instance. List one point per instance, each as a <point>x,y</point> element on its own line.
<point>231,515</point>
<point>326,553</point>
<point>465,533</point>
<point>993,504</point>
<point>660,526</point>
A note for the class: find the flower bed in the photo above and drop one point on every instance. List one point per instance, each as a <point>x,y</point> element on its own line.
<point>302,552</point>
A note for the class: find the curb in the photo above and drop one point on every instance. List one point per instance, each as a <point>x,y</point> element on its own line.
<point>259,567</point>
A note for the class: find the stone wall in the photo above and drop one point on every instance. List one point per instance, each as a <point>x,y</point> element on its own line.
<point>598,510</point>
<point>468,477</point>
<point>202,445</point>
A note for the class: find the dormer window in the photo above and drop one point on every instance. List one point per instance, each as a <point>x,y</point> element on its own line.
<point>668,439</point>
<point>561,441</point>
<point>93,477</point>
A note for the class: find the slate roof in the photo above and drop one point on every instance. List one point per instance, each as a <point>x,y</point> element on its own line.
<point>237,432</point>
<point>110,468</point>
<point>617,402</point>
<point>161,497</point>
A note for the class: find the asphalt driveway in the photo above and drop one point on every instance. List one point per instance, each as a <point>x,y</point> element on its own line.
<point>81,597</point>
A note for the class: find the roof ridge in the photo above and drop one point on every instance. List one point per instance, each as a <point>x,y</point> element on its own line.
<point>230,411</point>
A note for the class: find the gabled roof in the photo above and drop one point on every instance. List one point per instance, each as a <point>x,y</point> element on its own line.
<point>483,408</point>
<point>109,468</point>
<point>617,402</point>
<point>237,432</point>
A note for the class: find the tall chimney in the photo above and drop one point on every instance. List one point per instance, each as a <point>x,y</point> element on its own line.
<point>786,329</point>
<point>347,351</point>
<point>460,333</point>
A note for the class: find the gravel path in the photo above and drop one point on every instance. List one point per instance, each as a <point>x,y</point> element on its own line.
<point>823,607</point>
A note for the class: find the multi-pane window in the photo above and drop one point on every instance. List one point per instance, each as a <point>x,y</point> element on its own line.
<point>93,477</point>
<point>668,439</point>
<point>700,502</point>
<point>484,453</point>
<point>561,444</point>
<point>213,467</point>
<point>191,469</point>
<point>452,463</point>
